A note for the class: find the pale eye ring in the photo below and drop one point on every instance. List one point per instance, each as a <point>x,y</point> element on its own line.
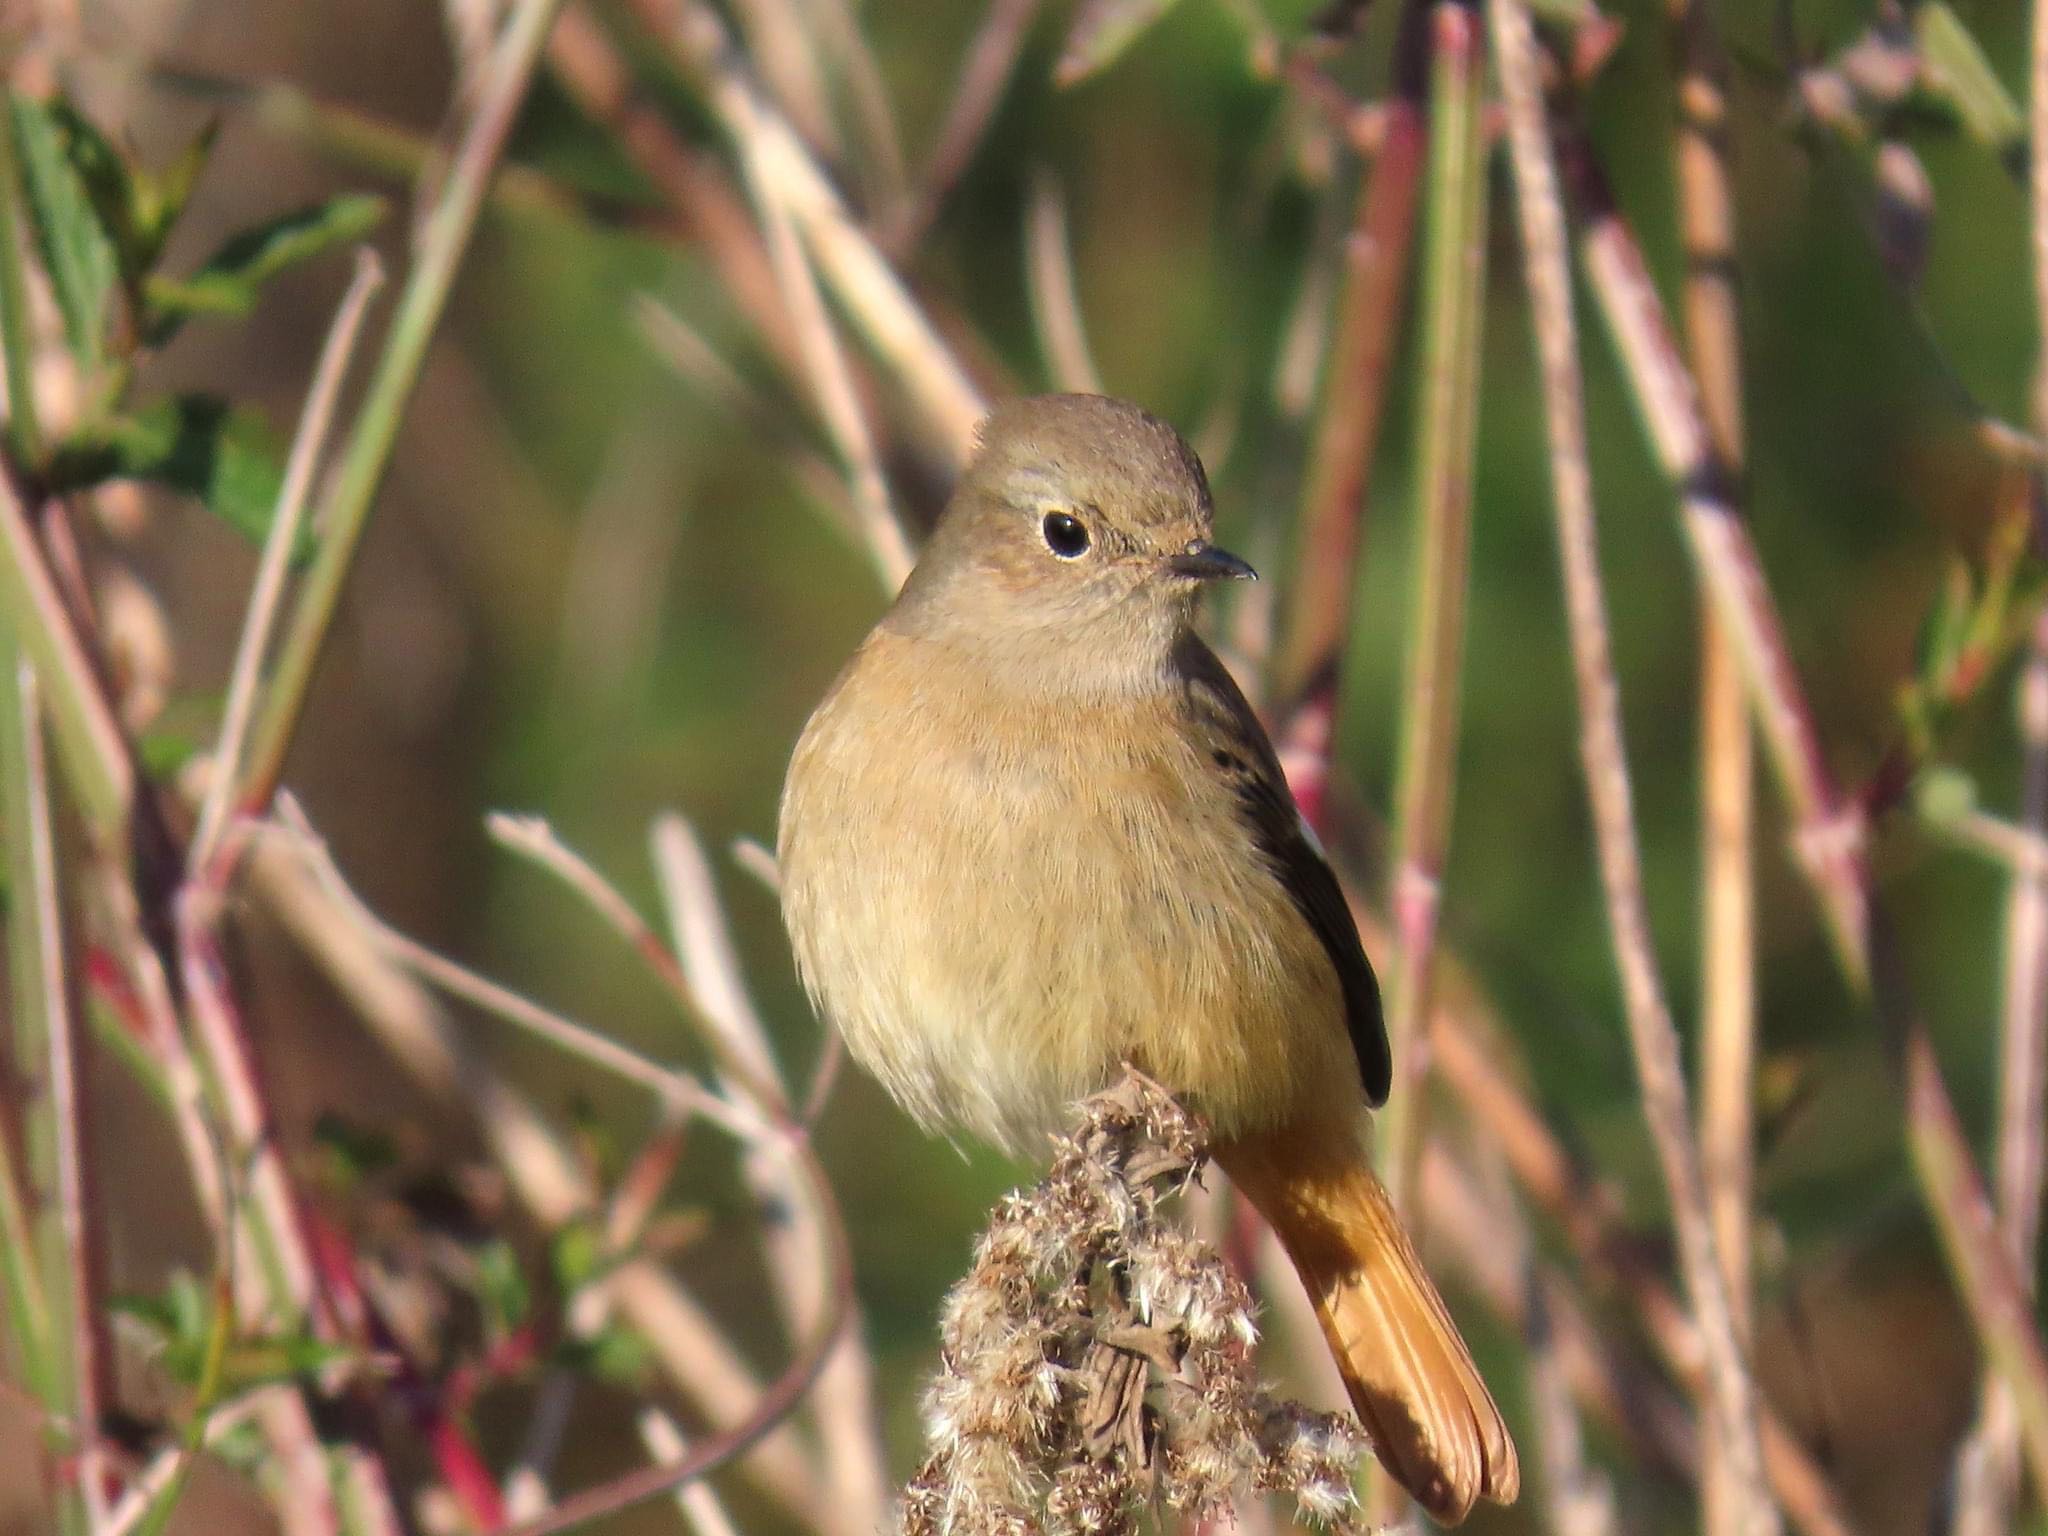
<point>1065,535</point>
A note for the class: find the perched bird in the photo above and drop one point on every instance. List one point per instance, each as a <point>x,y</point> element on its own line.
<point>1035,831</point>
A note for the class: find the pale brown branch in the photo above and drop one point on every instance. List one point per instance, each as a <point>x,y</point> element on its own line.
<point>1731,1397</point>
<point>687,1344</point>
<point>260,621</point>
<point>983,77</point>
<point>1049,277</point>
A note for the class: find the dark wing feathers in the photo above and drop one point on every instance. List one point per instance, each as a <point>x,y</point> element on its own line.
<point>1237,744</point>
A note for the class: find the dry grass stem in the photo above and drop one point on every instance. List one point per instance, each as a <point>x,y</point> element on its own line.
<point>825,364</point>
<point>1727,1032</point>
<point>697,1502</point>
<point>97,762</point>
<point>860,277</point>
<point>308,442</point>
<point>63,1347</point>
<point>1652,1032</point>
<point>1098,1357</point>
<point>1578,1499</point>
<point>1339,472</point>
<point>675,1089</point>
<point>1426,773</point>
<point>687,1344</point>
<point>983,76</point>
<point>842,1405</point>
<point>694,359</point>
<point>441,240</point>
<point>1588,1211</point>
<point>1049,281</point>
<point>1624,1395</point>
<point>1829,832</point>
<point>1988,1466</point>
<point>756,1117</point>
<point>879,163</point>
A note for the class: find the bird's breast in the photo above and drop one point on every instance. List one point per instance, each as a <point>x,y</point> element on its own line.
<point>997,900</point>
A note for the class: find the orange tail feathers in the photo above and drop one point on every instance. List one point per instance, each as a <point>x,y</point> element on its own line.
<point>1432,1421</point>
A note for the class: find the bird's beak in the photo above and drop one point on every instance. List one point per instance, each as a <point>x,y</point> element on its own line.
<point>1205,562</point>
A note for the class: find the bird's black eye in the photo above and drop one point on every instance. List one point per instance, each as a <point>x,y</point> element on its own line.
<point>1065,535</point>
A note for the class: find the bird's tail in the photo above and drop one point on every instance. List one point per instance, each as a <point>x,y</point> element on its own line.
<point>1431,1419</point>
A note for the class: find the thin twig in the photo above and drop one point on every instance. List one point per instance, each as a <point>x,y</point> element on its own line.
<point>1727,1033</point>
<point>1588,1212</point>
<point>696,1501</point>
<point>859,275</point>
<point>1360,369</point>
<point>1453,275</point>
<point>61,1352</point>
<point>1654,1035</point>
<point>1988,1466</point>
<point>1828,836</point>
<point>673,1088</point>
<point>308,442</point>
<point>825,363</point>
<point>345,511</point>
<point>1049,283</point>
<point>983,77</point>
<point>843,1402</point>
<point>689,1347</point>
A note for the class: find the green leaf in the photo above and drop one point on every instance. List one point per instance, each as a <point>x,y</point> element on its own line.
<point>1944,795</point>
<point>1102,30</point>
<point>179,1313</point>
<point>579,1256</point>
<point>501,1287</point>
<point>230,282</point>
<point>158,201</point>
<point>197,444</point>
<point>1957,69</point>
<point>614,1353</point>
<point>107,177</point>
<point>165,753</point>
<point>59,157</point>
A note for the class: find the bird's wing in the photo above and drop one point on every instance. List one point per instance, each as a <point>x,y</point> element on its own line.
<point>1237,745</point>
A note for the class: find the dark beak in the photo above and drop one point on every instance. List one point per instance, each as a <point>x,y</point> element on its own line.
<point>1205,562</point>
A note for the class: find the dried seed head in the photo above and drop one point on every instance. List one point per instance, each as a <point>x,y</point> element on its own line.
<point>1098,1358</point>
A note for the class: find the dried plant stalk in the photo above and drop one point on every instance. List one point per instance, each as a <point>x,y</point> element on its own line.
<point>1731,1394</point>
<point>1453,276</point>
<point>1098,1357</point>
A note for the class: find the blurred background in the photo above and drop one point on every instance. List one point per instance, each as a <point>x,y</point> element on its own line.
<point>594,592</point>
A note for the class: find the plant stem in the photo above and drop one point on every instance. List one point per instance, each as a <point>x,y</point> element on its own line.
<point>1829,831</point>
<point>1454,269</point>
<point>1359,372</point>
<point>42,1063</point>
<point>1987,1467</point>
<point>1727,1043</point>
<point>25,436</point>
<point>95,757</point>
<point>847,259</point>
<point>1987,1474</point>
<point>345,513</point>
<point>1731,1395</point>
<point>307,444</point>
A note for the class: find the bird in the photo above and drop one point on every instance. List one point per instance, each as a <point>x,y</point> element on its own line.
<point>1034,832</point>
